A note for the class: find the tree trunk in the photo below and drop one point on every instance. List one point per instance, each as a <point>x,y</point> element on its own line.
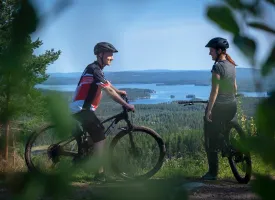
<point>7,122</point>
<point>7,130</point>
<point>2,139</point>
<point>13,148</point>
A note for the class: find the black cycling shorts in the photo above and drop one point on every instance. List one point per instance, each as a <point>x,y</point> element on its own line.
<point>92,124</point>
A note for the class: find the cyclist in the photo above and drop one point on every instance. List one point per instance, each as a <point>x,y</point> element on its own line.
<point>222,104</point>
<point>88,94</point>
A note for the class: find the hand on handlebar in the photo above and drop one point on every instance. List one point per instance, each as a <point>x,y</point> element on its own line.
<point>122,93</point>
<point>130,107</point>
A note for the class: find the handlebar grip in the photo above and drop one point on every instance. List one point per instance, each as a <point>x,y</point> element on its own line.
<point>124,97</point>
<point>127,110</point>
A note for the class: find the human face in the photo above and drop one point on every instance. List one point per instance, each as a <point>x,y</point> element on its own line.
<point>213,53</point>
<point>108,58</point>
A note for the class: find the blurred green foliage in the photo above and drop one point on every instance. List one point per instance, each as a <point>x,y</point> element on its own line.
<point>239,17</point>
<point>21,70</point>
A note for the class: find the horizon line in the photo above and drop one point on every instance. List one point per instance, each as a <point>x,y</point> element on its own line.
<point>142,70</point>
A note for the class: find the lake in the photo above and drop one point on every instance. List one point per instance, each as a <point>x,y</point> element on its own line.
<point>163,92</point>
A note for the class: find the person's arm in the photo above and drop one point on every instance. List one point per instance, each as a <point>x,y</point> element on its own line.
<point>121,92</point>
<point>117,91</point>
<point>214,91</point>
<point>107,86</point>
<point>114,95</point>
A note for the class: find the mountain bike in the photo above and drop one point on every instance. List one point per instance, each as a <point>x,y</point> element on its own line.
<point>232,132</point>
<point>142,147</point>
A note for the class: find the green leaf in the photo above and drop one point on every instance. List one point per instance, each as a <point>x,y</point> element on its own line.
<point>261,145</point>
<point>250,7</point>
<point>224,18</point>
<point>60,115</point>
<point>271,1</point>
<point>264,186</point>
<point>265,114</point>
<point>269,63</point>
<point>261,27</point>
<point>236,4</point>
<point>247,46</point>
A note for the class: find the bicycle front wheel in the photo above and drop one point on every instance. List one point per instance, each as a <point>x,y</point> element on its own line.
<point>137,153</point>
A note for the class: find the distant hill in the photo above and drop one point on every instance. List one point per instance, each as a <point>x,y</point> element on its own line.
<point>71,74</point>
<point>240,71</point>
<point>167,77</point>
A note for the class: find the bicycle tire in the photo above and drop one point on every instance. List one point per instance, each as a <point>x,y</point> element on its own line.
<point>29,144</point>
<point>155,169</point>
<point>247,157</point>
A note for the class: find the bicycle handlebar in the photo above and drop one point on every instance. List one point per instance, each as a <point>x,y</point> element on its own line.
<point>125,98</point>
<point>191,102</point>
<point>199,101</point>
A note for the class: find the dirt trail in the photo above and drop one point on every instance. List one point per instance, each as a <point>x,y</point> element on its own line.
<point>222,189</point>
<point>196,190</point>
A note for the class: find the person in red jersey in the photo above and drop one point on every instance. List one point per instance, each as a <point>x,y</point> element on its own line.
<point>88,95</point>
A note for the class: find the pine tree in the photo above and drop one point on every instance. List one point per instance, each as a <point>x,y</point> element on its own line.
<point>20,68</point>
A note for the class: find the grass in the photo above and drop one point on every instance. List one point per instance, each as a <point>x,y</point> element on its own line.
<point>191,167</point>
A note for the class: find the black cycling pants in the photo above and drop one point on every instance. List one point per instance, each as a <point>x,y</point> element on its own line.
<point>92,124</point>
<point>221,112</point>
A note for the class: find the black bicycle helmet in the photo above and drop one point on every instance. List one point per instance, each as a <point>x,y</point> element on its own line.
<point>218,43</point>
<point>103,47</point>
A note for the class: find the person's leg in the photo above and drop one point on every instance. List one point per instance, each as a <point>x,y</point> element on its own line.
<point>221,113</point>
<point>212,155</point>
<point>99,153</point>
<point>96,131</point>
<point>97,135</point>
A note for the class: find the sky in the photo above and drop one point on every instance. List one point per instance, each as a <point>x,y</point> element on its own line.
<point>149,34</point>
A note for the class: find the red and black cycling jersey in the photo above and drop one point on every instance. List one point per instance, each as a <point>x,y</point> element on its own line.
<point>88,92</point>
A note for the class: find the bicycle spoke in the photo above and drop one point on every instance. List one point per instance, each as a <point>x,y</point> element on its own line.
<point>46,151</point>
<point>136,154</point>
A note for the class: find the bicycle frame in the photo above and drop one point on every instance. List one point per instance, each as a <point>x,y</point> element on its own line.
<point>116,118</point>
<point>199,101</point>
<point>224,130</point>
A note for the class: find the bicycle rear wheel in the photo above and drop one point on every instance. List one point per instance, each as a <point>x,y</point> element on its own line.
<point>44,151</point>
<point>138,158</point>
<point>240,162</point>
